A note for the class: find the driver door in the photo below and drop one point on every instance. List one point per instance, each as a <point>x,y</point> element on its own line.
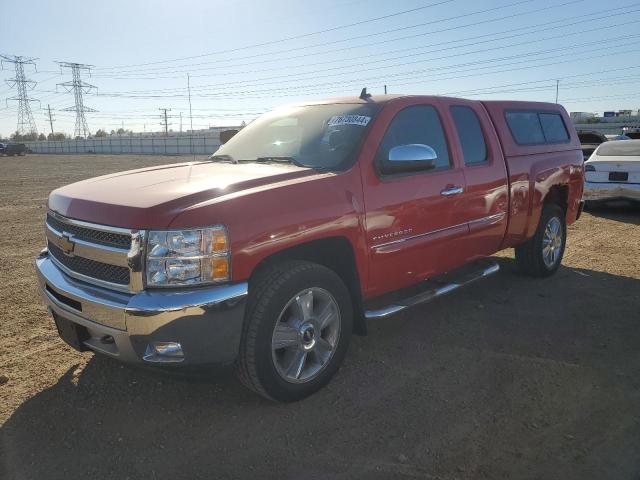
<point>413,218</point>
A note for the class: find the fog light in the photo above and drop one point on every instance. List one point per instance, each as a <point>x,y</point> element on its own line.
<point>164,352</point>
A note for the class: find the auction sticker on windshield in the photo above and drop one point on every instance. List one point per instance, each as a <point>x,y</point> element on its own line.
<point>361,120</point>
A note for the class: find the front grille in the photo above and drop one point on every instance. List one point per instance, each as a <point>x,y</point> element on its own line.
<point>91,268</point>
<point>110,239</point>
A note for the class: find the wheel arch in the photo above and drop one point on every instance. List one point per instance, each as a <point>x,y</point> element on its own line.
<point>558,195</point>
<point>335,253</point>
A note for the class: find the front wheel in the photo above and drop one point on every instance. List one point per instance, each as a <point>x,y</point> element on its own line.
<point>541,255</point>
<point>297,330</point>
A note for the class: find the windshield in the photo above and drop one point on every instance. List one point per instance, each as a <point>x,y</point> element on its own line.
<point>619,148</point>
<point>316,136</point>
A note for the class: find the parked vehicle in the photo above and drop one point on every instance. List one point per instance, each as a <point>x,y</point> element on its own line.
<point>311,221</point>
<point>613,172</point>
<point>589,141</point>
<point>3,147</point>
<point>12,149</point>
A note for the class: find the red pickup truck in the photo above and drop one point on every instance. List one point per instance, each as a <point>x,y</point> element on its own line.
<point>311,221</point>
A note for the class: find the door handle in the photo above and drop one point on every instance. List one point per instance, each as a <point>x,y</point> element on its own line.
<point>447,192</point>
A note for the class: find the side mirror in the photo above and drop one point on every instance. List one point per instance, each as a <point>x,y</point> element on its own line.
<point>410,158</point>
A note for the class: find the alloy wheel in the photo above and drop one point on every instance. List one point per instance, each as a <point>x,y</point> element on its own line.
<point>306,335</point>
<point>552,242</point>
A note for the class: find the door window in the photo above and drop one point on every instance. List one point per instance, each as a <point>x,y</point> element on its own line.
<point>474,147</point>
<point>419,124</point>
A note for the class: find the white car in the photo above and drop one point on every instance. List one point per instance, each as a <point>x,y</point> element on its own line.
<point>613,172</point>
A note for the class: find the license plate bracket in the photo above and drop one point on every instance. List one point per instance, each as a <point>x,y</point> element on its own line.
<point>73,334</point>
<point>618,176</point>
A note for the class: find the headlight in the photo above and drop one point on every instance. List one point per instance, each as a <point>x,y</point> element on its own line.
<point>589,168</point>
<point>187,257</point>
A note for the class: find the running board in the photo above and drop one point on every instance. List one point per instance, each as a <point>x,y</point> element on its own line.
<point>436,287</point>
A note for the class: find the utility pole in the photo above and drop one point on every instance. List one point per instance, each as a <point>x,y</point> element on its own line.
<point>50,115</point>
<point>180,122</point>
<point>190,116</point>
<point>557,88</point>
<point>385,89</point>
<point>164,121</point>
<point>78,87</point>
<point>26,123</point>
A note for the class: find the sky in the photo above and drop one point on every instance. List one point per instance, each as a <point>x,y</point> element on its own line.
<point>246,57</point>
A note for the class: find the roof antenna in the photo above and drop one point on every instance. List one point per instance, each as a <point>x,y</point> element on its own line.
<point>364,95</point>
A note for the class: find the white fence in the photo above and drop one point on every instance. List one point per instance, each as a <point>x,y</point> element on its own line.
<point>113,145</point>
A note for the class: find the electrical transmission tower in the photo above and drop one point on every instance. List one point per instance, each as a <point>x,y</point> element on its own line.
<point>164,123</point>
<point>79,88</point>
<point>26,123</point>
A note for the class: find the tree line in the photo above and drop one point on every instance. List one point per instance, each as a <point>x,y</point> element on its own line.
<point>32,137</point>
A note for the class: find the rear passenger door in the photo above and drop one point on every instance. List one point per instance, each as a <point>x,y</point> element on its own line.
<point>485,198</point>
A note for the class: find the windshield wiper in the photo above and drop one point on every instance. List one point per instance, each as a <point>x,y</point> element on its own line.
<point>222,158</point>
<point>281,160</point>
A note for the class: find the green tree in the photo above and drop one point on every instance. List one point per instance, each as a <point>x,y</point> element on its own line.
<point>56,136</point>
<point>100,133</point>
<point>27,137</point>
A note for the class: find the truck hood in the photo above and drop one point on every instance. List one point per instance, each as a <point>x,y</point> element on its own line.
<point>152,197</point>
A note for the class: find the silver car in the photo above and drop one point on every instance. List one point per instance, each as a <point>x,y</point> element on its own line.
<point>613,172</point>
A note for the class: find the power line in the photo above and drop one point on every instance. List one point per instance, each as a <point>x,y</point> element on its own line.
<point>79,87</point>
<point>466,67</point>
<point>497,89</point>
<point>605,97</point>
<point>449,75</point>
<point>580,20</point>
<point>483,90</point>
<point>472,41</point>
<point>313,74</point>
<point>502,88</point>
<point>26,123</point>
<point>294,37</point>
<point>349,39</point>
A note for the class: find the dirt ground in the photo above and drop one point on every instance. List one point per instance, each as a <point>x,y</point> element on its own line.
<point>512,377</point>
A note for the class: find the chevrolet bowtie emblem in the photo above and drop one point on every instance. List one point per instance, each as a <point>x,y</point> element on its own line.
<point>66,244</point>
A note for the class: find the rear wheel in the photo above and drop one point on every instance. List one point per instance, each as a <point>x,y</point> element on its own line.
<point>542,254</point>
<point>297,331</point>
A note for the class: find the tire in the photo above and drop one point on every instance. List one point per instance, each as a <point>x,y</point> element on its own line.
<point>292,295</point>
<point>530,256</point>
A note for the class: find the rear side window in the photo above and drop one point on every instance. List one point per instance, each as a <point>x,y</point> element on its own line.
<point>417,124</point>
<point>553,128</point>
<point>525,128</point>
<point>535,128</point>
<point>474,147</point>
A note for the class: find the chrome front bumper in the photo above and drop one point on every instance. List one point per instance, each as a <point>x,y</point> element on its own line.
<point>611,191</point>
<point>205,321</point>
